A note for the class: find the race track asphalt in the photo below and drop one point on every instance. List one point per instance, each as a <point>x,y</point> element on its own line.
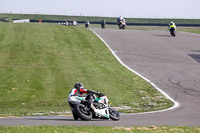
<point>171,63</point>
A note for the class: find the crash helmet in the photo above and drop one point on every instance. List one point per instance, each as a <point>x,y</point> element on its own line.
<point>171,23</point>
<point>79,86</point>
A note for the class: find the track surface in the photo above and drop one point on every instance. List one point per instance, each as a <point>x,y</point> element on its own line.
<point>170,63</point>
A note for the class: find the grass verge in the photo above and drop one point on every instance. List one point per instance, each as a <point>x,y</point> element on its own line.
<point>191,29</point>
<point>39,64</point>
<point>94,129</point>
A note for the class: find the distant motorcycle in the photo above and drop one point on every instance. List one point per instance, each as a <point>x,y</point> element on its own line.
<point>80,109</point>
<point>122,25</point>
<point>172,31</point>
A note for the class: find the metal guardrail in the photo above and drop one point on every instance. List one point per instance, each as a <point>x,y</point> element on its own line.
<point>114,23</point>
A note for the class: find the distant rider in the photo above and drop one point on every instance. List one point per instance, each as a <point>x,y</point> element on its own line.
<point>124,21</point>
<point>172,25</point>
<point>79,90</point>
<point>87,24</point>
<point>103,23</point>
<point>74,23</point>
<point>120,18</point>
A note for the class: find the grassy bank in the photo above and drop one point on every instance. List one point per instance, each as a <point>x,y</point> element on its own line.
<point>39,64</point>
<point>93,129</point>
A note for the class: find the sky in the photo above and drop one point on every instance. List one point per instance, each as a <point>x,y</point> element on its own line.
<point>106,8</point>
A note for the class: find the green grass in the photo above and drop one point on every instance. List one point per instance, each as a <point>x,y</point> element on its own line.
<point>95,129</point>
<point>39,64</point>
<point>192,30</point>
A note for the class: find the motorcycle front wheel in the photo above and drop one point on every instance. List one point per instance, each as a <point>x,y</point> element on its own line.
<point>72,109</point>
<point>114,115</point>
<point>75,116</point>
<point>82,112</point>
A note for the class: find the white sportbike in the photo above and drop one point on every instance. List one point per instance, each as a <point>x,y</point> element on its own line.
<point>80,108</point>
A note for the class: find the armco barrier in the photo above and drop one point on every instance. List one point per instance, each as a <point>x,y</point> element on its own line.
<point>21,21</point>
<point>114,23</point>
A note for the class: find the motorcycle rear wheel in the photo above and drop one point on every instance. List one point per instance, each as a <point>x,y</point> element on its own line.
<point>114,115</point>
<point>84,114</point>
<point>172,32</point>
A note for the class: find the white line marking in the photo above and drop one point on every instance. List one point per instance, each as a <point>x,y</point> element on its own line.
<point>176,104</point>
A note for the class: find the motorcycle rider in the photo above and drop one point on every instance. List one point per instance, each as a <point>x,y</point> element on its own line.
<point>172,25</point>
<point>87,24</point>
<point>74,23</point>
<point>120,21</point>
<point>79,90</point>
<point>120,18</point>
<point>124,22</point>
<point>103,23</point>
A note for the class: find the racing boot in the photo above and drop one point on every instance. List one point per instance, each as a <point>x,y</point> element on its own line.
<point>96,111</point>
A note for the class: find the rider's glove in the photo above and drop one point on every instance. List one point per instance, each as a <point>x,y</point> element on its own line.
<point>98,93</point>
